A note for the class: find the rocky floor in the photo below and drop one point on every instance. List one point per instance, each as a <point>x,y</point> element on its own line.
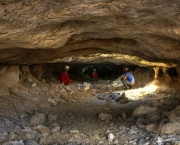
<point>88,113</point>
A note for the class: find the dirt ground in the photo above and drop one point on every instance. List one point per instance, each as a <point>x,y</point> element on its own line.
<point>78,110</point>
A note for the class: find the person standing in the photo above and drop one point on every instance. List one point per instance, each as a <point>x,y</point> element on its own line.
<point>127,79</point>
<point>64,77</point>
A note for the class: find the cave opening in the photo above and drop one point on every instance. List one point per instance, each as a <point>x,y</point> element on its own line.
<point>173,72</point>
<point>39,38</point>
<point>83,72</point>
<point>160,73</point>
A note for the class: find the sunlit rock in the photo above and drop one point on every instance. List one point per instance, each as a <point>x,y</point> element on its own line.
<point>111,137</point>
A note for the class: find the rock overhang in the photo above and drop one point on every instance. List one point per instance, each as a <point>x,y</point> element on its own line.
<point>100,30</point>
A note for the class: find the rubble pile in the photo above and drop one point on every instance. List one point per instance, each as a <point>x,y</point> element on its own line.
<point>86,113</point>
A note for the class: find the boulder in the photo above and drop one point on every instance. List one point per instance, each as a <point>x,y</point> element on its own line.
<point>38,119</point>
<point>143,110</point>
<point>42,129</point>
<point>54,127</point>
<point>171,128</point>
<point>152,128</point>
<point>105,116</point>
<point>9,75</point>
<point>174,115</point>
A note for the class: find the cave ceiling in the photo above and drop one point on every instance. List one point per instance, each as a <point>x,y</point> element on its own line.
<point>49,31</point>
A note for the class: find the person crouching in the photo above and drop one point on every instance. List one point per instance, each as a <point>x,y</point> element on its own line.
<point>94,74</point>
<point>64,77</point>
<point>127,79</point>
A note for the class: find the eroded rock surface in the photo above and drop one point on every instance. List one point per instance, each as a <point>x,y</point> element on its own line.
<point>36,31</point>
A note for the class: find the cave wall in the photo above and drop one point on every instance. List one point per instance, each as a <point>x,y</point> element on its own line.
<point>23,87</point>
<point>9,75</point>
<point>13,75</point>
<point>36,31</point>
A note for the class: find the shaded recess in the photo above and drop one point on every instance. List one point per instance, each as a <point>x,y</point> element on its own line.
<point>83,72</point>
<point>172,72</point>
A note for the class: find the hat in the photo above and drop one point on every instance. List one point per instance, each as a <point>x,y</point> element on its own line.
<point>66,67</point>
<point>125,69</point>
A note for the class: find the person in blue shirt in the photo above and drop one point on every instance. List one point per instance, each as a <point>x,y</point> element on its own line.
<point>127,79</point>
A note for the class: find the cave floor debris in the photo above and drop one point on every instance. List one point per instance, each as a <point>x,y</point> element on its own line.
<point>75,111</point>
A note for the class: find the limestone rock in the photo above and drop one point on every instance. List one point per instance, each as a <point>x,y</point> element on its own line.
<point>3,137</point>
<point>152,128</point>
<point>153,117</point>
<point>142,110</point>
<point>3,69</point>
<point>14,143</point>
<point>38,71</point>
<point>143,141</point>
<point>31,142</point>
<point>9,76</point>
<point>23,115</point>
<point>174,115</point>
<point>107,106</point>
<point>105,116</point>
<point>51,118</point>
<point>86,88</point>
<point>141,121</point>
<point>176,143</point>
<point>124,117</point>
<point>72,131</point>
<point>53,101</point>
<point>45,105</point>
<point>43,129</point>
<point>136,30</point>
<point>38,119</point>
<point>30,134</point>
<point>123,99</point>
<point>171,128</point>
<point>133,130</point>
<point>54,127</point>
<point>111,137</point>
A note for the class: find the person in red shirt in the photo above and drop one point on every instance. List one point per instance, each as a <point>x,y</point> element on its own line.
<point>64,77</point>
<point>94,74</point>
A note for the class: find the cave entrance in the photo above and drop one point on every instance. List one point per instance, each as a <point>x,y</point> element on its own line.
<point>83,72</point>
<point>172,72</point>
<point>109,76</point>
<point>106,72</point>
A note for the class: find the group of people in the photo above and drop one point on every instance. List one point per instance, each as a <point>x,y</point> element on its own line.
<point>127,78</point>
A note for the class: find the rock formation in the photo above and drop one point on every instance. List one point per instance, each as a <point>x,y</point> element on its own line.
<point>38,37</point>
<point>37,31</point>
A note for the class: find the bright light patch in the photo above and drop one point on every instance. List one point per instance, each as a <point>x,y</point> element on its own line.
<point>136,94</point>
<point>150,88</point>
